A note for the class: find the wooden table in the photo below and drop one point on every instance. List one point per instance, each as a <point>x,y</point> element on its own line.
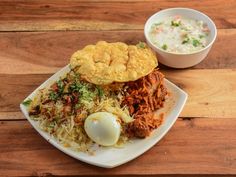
<point>37,38</point>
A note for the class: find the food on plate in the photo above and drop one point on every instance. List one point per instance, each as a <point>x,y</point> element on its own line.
<point>80,111</point>
<point>180,35</point>
<point>143,97</point>
<point>105,63</point>
<point>62,108</point>
<point>103,128</point>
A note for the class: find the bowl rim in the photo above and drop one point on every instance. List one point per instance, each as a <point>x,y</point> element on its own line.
<point>184,9</point>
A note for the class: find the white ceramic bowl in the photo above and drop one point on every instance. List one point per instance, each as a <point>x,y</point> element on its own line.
<point>180,60</point>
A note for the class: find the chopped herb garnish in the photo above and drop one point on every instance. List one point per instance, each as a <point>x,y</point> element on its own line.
<point>141,45</point>
<point>53,96</point>
<point>100,91</point>
<point>196,42</point>
<point>27,102</point>
<point>175,23</point>
<point>75,86</point>
<point>85,91</point>
<point>201,36</point>
<point>186,40</point>
<point>61,86</point>
<point>164,47</point>
<point>86,94</point>
<point>82,92</point>
<point>57,90</point>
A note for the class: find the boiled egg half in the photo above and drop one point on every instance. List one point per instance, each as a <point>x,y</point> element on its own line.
<point>103,128</point>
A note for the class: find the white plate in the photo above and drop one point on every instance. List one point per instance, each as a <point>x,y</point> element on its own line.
<point>109,157</point>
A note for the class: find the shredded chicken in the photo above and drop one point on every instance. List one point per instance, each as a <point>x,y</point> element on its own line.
<point>143,97</point>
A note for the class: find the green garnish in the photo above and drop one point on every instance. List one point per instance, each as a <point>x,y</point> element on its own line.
<point>164,47</point>
<point>86,94</point>
<point>85,91</point>
<point>27,102</point>
<point>53,96</point>
<point>175,23</point>
<point>100,91</point>
<point>75,86</point>
<point>196,42</point>
<point>141,45</point>
<point>201,36</point>
<point>60,86</point>
<point>186,40</point>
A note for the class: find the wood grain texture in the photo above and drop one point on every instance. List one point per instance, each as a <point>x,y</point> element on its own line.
<point>12,115</point>
<point>210,95</point>
<point>94,15</point>
<point>37,38</point>
<point>46,52</point>
<point>190,147</point>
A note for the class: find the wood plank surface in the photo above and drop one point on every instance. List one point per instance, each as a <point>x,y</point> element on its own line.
<point>43,15</point>
<point>191,147</point>
<point>210,95</point>
<point>17,115</point>
<point>46,52</point>
<point>37,38</point>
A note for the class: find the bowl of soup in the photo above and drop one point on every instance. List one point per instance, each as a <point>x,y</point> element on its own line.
<point>181,37</point>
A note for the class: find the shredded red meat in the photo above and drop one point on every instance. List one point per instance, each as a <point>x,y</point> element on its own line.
<point>143,97</point>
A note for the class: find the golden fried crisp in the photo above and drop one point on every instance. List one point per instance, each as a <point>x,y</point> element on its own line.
<point>105,63</point>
